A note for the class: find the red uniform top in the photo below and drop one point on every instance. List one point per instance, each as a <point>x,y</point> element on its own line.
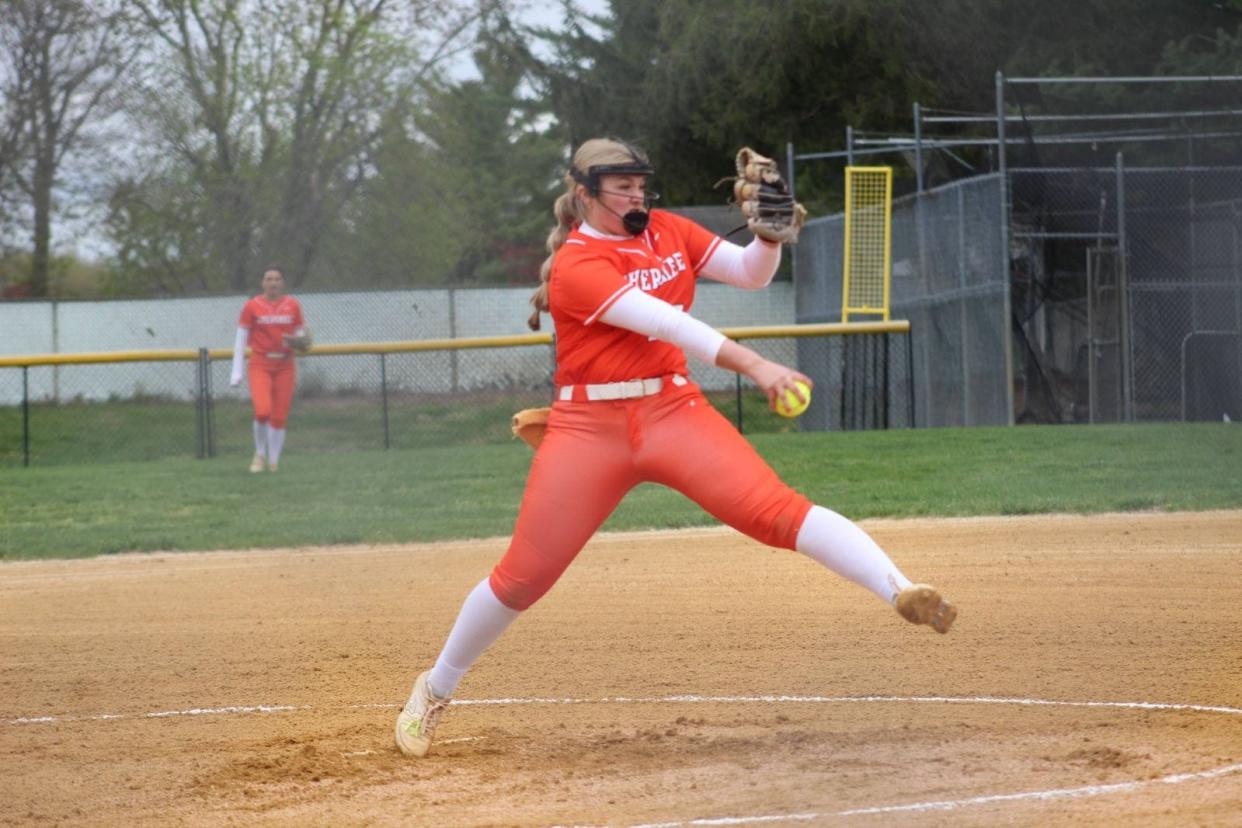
<point>266,321</point>
<point>589,274</point>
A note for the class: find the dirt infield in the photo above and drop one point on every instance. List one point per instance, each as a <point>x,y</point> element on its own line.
<point>1094,678</point>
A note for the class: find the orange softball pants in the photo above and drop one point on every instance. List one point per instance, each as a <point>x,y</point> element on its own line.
<point>595,452</point>
<point>271,390</point>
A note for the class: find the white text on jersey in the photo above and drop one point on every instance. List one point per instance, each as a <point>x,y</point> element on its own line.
<point>648,279</point>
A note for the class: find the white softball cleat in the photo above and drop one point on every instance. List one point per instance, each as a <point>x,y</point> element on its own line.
<point>923,604</point>
<point>416,724</point>
<point>257,464</point>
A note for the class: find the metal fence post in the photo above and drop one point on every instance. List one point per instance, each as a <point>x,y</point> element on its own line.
<point>963,312</point>
<point>918,147</point>
<point>26,416</point>
<point>1123,289</point>
<point>384,395</point>
<point>884,374</point>
<point>452,321</point>
<point>1002,165</point>
<point>200,406</point>
<point>1236,261</point>
<point>737,396</point>
<point>910,374</point>
<point>210,407</point>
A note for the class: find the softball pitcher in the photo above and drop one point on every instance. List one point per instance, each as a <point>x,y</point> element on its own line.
<point>271,323</point>
<point>618,284</point>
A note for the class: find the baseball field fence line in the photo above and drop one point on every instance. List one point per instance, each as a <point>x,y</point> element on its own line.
<point>146,405</point>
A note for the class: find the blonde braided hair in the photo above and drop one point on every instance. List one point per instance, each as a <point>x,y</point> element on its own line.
<point>570,210</point>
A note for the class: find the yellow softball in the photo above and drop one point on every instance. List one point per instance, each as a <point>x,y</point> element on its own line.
<point>788,405</point>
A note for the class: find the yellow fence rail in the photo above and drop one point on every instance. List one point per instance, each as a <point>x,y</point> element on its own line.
<point>202,397</point>
<point>465,343</point>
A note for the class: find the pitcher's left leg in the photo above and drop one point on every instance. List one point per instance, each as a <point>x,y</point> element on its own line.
<point>730,480</point>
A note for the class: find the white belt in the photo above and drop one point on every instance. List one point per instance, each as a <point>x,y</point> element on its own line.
<point>276,354</point>
<point>617,390</point>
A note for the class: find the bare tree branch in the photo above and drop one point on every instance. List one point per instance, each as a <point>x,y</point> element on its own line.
<point>66,57</point>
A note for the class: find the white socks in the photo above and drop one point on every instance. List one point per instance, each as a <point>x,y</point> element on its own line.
<point>275,442</point>
<point>260,438</point>
<point>481,621</point>
<point>825,536</point>
<point>839,544</point>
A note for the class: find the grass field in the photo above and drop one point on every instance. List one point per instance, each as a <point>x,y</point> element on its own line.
<point>460,491</point>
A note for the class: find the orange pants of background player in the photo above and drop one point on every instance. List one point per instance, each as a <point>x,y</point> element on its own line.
<point>271,390</point>
<point>595,452</point>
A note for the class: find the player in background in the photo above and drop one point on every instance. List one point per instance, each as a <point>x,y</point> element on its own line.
<point>267,323</point>
<point>618,283</point>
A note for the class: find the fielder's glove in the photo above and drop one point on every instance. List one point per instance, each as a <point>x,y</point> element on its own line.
<point>300,340</point>
<point>530,424</point>
<point>763,196</point>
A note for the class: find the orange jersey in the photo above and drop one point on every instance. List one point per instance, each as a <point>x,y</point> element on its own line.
<point>267,321</point>
<point>590,274</point>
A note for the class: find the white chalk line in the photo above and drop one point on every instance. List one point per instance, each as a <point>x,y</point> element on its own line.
<point>692,699</point>
<point>680,699</point>
<point>913,807</point>
<point>162,714</point>
<point>954,804</point>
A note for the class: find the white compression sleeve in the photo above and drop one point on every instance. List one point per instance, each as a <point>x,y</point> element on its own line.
<point>638,312</point>
<point>239,353</point>
<point>841,545</point>
<point>750,268</point>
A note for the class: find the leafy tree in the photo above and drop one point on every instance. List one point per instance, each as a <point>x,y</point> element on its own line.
<point>1217,54</point>
<point>272,114</point>
<point>405,225</point>
<point>157,222</point>
<point>508,165</point>
<point>692,81</point>
<point>62,59</point>
<point>462,188</point>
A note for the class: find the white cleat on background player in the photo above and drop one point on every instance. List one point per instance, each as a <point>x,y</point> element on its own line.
<point>257,464</point>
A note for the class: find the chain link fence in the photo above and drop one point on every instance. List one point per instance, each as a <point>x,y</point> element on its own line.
<point>1127,292</point>
<point>948,281</point>
<point>1120,294</point>
<point>1124,212</point>
<point>446,393</point>
<point>1124,296</point>
<point>1185,285</point>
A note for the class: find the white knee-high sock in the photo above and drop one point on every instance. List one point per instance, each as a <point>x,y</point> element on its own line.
<point>275,443</point>
<point>260,438</point>
<point>839,544</point>
<point>481,621</point>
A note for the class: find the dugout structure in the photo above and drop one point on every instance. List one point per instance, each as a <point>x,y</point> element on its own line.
<point>1074,255</point>
<point>868,239</point>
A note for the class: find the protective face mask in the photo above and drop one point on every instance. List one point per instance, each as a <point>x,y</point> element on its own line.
<point>635,221</point>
